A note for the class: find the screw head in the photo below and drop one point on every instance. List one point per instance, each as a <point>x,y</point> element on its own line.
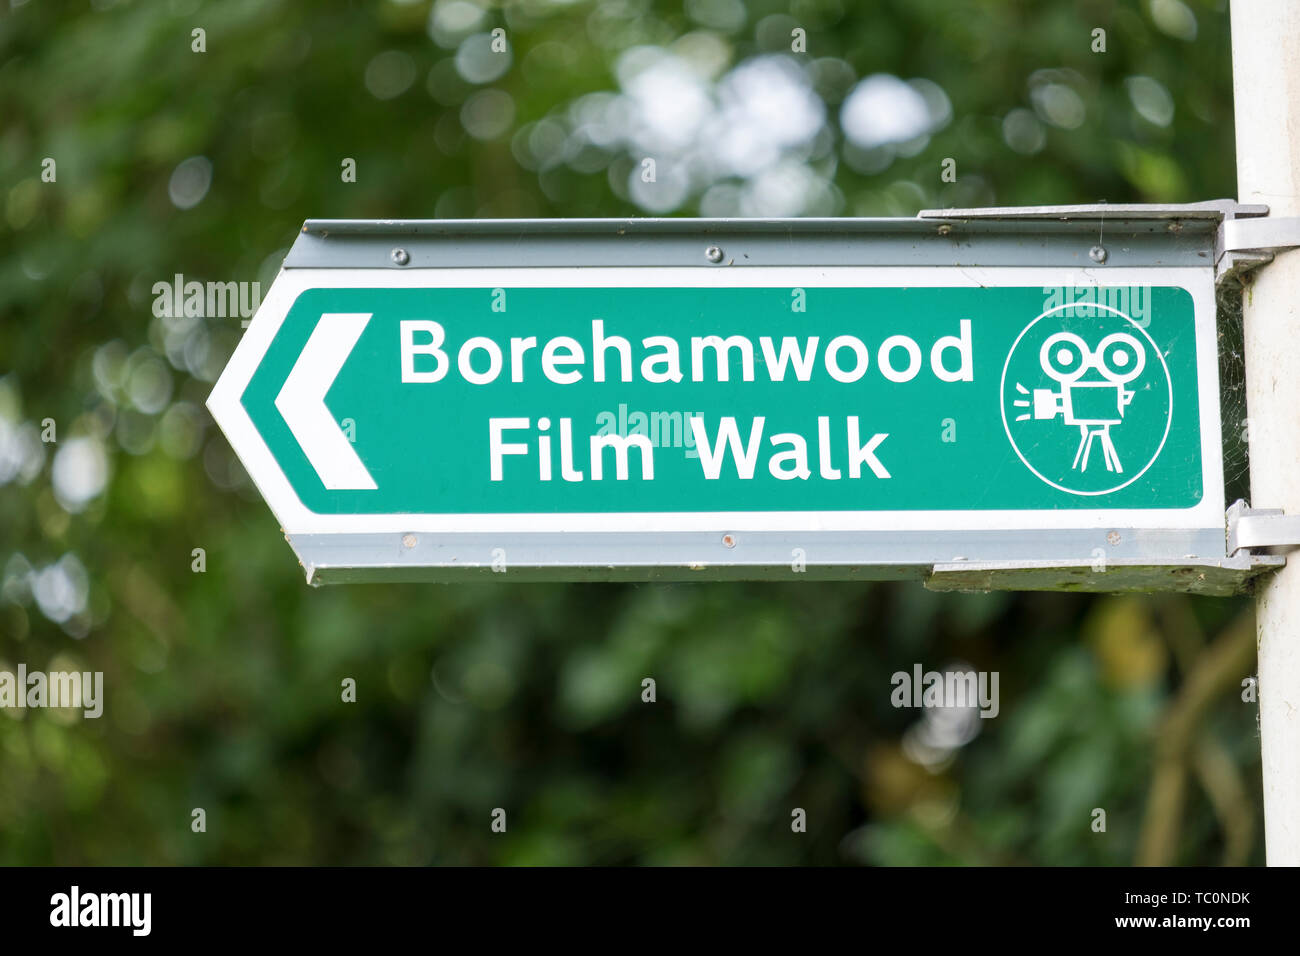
<point>1098,253</point>
<point>400,256</point>
<point>713,254</point>
<point>408,541</point>
<point>729,540</point>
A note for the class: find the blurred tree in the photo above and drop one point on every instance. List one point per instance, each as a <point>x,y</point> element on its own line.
<point>173,156</point>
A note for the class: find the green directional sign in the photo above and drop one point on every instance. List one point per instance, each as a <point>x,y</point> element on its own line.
<point>582,415</point>
<point>562,400</point>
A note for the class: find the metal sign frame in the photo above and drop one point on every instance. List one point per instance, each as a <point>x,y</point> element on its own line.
<point>1068,246</point>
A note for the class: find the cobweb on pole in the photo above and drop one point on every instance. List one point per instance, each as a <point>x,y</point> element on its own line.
<point>1232,388</point>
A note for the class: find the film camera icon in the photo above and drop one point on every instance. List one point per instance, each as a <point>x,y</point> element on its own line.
<point>1093,405</point>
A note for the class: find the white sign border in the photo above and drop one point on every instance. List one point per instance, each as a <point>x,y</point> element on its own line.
<point>295,518</point>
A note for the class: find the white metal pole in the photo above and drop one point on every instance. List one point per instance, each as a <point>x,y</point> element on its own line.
<point>1266,84</point>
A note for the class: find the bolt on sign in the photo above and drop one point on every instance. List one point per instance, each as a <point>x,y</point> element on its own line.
<point>980,400</point>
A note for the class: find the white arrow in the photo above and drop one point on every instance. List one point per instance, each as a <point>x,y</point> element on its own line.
<point>302,401</point>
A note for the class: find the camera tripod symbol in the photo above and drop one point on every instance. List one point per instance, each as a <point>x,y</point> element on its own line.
<point>1094,406</point>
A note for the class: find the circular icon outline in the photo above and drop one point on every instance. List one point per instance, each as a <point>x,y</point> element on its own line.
<point>1169,384</point>
<point>1126,376</point>
<point>1055,364</point>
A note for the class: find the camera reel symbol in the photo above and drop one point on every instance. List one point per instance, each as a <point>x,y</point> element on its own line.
<point>1093,406</point>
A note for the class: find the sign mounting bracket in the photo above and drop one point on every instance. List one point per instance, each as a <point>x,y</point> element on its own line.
<point>1247,243</point>
<point>1261,530</point>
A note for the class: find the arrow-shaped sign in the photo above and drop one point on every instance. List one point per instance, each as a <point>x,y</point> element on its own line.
<point>582,413</point>
<point>302,402</point>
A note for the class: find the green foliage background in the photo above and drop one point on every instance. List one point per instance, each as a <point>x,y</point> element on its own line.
<point>223,687</point>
